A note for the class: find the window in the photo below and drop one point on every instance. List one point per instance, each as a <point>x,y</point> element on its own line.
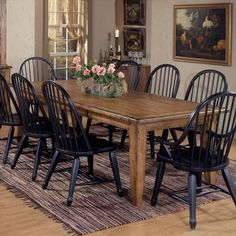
<point>67,34</point>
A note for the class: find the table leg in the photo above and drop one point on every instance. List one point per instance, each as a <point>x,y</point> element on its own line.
<point>137,153</point>
<point>210,177</point>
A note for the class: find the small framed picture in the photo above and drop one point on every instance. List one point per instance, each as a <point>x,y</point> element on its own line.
<point>134,12</point>
<point>202,33</point>
<point>135,40</point>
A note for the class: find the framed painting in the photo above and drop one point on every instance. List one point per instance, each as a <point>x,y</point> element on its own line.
<point>134,12</point>
<point>135,40</point>
<point>202,33</point>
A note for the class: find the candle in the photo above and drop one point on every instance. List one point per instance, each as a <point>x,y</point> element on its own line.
<point>117,33</point>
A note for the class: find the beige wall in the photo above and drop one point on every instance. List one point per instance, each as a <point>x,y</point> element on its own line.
<point>20,31</point>
<point>162,43</point>
<point>102,23</point>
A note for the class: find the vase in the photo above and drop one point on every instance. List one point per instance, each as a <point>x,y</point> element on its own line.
<point>86,85</point>
<point>111,90</point>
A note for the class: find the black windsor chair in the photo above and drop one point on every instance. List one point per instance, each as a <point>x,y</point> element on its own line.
<point>71,138</point>
<point>217,118</point>
<point>203,85</point>
<point>36,125</point>
<point>164,81</point>
<point>131,69</point>
<point>37,69</point>
<point>9,114</point>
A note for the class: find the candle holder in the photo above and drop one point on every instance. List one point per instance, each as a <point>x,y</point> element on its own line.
<point>117,35</point>
<point>116,44</point>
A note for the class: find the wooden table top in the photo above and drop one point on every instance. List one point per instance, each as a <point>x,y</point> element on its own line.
<point>133,106</point>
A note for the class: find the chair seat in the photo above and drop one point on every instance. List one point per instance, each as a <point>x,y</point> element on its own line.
<point>98,145</point>
<point>13,120</point>
<point>180,158</point>
<point>42,129</point>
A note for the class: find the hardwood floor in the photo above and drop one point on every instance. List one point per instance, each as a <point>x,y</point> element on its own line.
<point>216,218</point>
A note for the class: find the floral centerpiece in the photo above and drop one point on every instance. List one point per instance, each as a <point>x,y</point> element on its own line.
<point>102,80</point>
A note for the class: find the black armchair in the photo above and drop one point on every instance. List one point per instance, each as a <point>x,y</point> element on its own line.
<point>216,117</point>
<point>203,85</point>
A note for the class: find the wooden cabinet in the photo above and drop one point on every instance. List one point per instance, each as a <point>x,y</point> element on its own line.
<point>5,70</point>
<point>145,72</point>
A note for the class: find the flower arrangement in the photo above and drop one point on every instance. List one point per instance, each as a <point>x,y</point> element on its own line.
<point>100,79</point>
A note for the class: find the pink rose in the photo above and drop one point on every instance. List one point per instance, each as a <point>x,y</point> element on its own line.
<point>86,72</point>
<point>103,71</point>
<point>112,65</point>
<point>76,60</point>
<point>111,69</point>
<point>96,70</point>
<point>121,75</point>
<point>78,67</point>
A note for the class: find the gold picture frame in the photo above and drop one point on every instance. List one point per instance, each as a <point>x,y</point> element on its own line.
<point>134,12</point>
<point>135,40</point>
<point>203,33</point>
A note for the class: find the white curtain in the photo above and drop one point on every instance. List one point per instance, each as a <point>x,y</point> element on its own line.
<point>71,13</point>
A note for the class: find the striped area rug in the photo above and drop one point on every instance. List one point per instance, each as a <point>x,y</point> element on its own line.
<point>95,207</point>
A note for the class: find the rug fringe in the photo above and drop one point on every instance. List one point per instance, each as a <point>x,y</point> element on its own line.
<point>32,204</point>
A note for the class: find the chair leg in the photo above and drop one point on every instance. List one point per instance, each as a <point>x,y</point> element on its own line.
<point>111,130</point>
<point>19,151</point>
<point>192,184</point>
<point>229,183</point>
<point>116,173</point>
<point>157,186</point>
<point>88,125</point>
<point>152,143</point>
<point>37,159</point>
<point>74,173</point>
<point>123,137</point>
<point>8,144</point>
<point>90,165</point>
<point>55,160</point>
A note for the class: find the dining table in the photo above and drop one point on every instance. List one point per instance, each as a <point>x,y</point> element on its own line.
<point>138,112</point>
